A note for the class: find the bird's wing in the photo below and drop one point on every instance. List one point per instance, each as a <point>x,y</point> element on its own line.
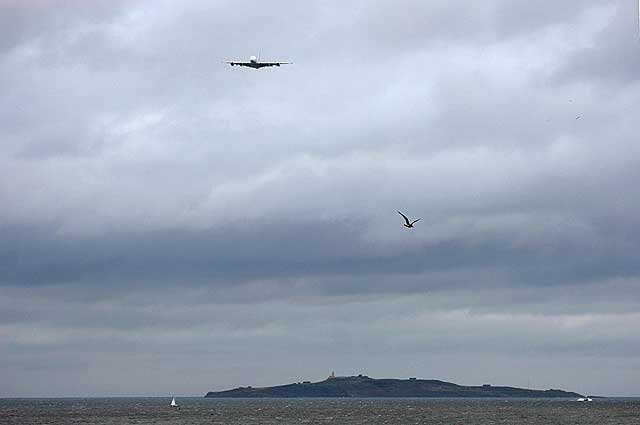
<point>405,217</point>
<point>415,221</point>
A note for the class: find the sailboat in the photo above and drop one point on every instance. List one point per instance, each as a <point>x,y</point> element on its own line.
<point>173,402</point>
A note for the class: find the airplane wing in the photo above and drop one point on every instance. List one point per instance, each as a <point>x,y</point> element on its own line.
<point>274,63</point>
<point>238,63</point>
<point>256,64</point>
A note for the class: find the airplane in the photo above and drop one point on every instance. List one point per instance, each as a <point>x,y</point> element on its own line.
<point>255,63</point>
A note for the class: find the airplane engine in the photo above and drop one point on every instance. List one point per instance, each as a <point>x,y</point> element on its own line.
<point>253,59</point>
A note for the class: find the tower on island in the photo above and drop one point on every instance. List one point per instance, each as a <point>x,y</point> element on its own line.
<point>332,376</point>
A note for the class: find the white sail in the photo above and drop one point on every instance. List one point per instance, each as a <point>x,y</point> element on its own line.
<point>173,402</point>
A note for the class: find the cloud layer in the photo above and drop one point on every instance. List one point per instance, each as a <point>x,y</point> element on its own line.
<point>170,224</point>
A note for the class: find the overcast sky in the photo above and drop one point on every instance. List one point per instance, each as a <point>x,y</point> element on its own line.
<point>171,225</point>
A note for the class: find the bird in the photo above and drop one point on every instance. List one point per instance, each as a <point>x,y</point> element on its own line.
<point>578,117</point>
<point>408,224</point>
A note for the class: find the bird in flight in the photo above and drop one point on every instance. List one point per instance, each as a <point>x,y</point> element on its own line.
<point>408,224</point>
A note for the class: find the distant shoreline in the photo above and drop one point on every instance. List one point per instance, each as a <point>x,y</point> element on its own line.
<point>200,397</point>
<point>365,387</point>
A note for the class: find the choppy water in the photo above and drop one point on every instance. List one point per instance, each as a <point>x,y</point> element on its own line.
<point>318,411</point>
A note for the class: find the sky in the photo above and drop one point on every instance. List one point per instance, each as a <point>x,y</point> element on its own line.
<point>171,225</point>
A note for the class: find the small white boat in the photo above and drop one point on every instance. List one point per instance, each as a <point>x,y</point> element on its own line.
<point>585,399</point>
<point>173,402</point>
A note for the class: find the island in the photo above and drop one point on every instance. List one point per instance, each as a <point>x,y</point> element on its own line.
<point>364,386</point>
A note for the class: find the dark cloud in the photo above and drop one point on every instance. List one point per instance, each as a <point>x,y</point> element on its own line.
<point>161,210</point>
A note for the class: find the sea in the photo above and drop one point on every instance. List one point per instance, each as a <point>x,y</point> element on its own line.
<point>368,411</point>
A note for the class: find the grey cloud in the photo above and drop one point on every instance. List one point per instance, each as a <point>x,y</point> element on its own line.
<point>26,21</point>
<point>613,58</point>
<point>165,329</point>
<point>159,205</point>
<point>285,249</point>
